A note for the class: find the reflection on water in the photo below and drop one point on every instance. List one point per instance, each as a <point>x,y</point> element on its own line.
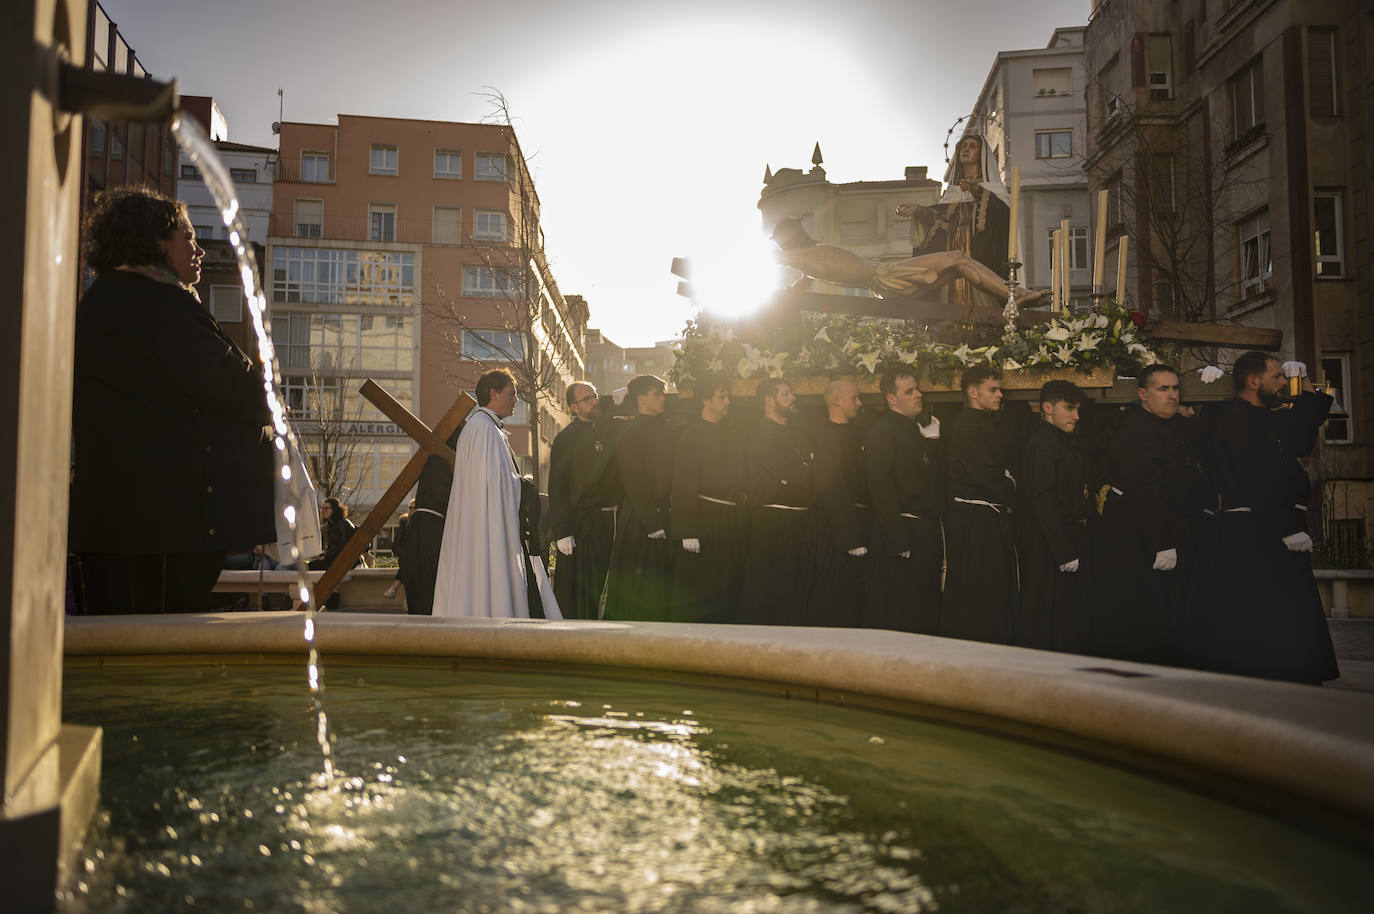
<point>481,791</point>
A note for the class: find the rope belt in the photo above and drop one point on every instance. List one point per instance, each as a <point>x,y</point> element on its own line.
<point>785,507</point>
<point>1082,522</point>
<point>1235,510</point>
<point>986,504</point>
<point>1115,490</point>
<point>718,501</point>
<point>859,504</point>
<point>430,511</point>
<point>1302,508</point>
<point>912,516</point>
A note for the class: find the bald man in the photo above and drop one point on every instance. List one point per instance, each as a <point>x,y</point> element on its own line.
<point>836,598</point>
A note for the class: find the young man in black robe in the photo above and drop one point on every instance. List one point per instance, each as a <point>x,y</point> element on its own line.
<point>906,489</point>
<point>582,505</point>
<point>710,522</point>
<point>842,511</point>
<point>980,596</point>
<point>640,583</point>
<point>1052,528</point>
<point>782,530</point>
<point>425,531</point>
<point>1255,610</point>
<point>1152,520</point>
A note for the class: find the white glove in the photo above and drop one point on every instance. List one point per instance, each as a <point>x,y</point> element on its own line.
<point>1294,369</point>
<point>1069,567</point>
<point>1166,559</point>
<point>692,545</point>
<point>859,552</point>
<point>566,545</point>
<point>1298,542</point>
<point>658,535</point>
<point>932,430</point>
<point>618,395</point>
<point>1210,373</point>
<point>1007,473</point>
<point>905,555</point>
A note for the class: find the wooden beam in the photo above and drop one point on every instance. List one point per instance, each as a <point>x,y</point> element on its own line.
<point>376,518</point>
<point>913,308</point>
<point>406,420</point>
<point>1230,336</point>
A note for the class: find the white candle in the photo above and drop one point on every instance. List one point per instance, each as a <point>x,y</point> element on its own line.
<point>1015,213</point>
<point>1100,253</point>
<point>1056,262</point>
<point>1121,272</point>
<point>1064,273</point>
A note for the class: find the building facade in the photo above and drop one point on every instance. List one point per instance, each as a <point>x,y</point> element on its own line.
<point>1234,135</point>
<point>1033,114</point>
<point>859,216</point>
<point>410,252</point>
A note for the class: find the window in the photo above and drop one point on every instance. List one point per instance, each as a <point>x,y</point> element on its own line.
<point>490,167</point>
<point>244,175</point>
<point>856,232</point>
<point>1247,101</point>
<point>1109,88</point>
<point>1114,217</point>
<point>493,345</point>
<point>1159,54</point>
<point>97,137</point>
<point>190,173</point>
<point>338,277</point>
<point>489,226</point>
<point>226,304</point>
<point>1052,81</point>
<point>1336,372</point>
<point>1053,144</point>
<point>319,342</point>
<point>1164,298</point>
<point>488,282</point>
<point>1323,81</point>
<point>1328,228</point>
<point>1078,248</point>
<point>448,225</point>
<point>381,221</point>
<point>1256,263</point>
<point>309,218</point>
<point>314,168</point>
<point>116,146</point>
<point>383,160</point>
<point>1189,48</point>
<point>203,232</point>
<point>448,164</point>
<point>1163,182</point>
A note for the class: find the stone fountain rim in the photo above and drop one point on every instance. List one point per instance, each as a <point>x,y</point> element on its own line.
<point>1305,748</point>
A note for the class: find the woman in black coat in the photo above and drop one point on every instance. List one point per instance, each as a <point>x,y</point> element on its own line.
<point>172,463</point>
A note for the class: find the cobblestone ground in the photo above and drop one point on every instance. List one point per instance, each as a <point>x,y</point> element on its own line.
<point>1353,638</point>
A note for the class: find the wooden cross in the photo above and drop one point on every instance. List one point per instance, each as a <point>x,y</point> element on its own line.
<point>1230,336</point>
<point>431,441</point>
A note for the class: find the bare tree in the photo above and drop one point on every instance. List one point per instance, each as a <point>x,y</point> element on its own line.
<point>328,426</point>
<point>521,322</point>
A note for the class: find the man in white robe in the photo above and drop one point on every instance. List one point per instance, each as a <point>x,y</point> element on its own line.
<point>483,566</point>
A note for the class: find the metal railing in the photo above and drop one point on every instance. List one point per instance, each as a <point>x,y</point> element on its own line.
<point>291,171</point>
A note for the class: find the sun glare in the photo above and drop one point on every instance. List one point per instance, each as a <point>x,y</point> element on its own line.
<point>736,279</point>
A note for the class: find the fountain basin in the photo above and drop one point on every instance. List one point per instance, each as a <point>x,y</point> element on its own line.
<point>1278,754</point>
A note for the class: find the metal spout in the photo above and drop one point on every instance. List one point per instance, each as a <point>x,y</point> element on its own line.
<point>115,96</point>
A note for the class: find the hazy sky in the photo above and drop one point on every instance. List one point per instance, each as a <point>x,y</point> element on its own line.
<point>648,122</point>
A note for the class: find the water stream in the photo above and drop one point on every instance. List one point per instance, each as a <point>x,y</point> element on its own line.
<point>290,492</point>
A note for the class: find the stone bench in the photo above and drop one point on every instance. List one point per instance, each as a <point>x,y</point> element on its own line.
<point>1334,584</point>
<point>360,588</point>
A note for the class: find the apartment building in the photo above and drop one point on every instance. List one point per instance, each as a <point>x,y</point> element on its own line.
<point>1033,113</point>
<point>410,252</point>
<point>1234,137</point>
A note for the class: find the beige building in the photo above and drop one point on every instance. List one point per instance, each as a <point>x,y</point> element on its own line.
<point>1233,135</point>
<point>410,252</point>
<point>859,216</point>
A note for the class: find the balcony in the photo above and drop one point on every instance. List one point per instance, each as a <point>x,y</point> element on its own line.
<point>351,228</point>
<point>289,171</point>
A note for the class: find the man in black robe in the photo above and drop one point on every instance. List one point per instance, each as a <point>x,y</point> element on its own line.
<point>582,505</point>
<point>709,514</point>
<point>906,489</point>
<point>425,531</point>
<point>1052,528</point>
<point>1152,521</point>
<point>782,530</point>
<point>1255,610</point>
<point>842,510</point>
<point>980,596</point>
<point>640,583</point>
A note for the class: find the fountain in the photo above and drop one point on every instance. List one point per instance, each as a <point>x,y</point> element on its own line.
<point>580,765</point>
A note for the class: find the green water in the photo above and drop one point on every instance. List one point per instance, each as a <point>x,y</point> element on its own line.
<point>519,792</point>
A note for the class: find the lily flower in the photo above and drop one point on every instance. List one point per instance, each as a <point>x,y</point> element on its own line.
<point>823,336</point>
<point>869,360</point>
<point>962,353</point>
<point>1058,333</point>
<point>1064,354</point>
<point>715,366</point>
<point>1011,365</point>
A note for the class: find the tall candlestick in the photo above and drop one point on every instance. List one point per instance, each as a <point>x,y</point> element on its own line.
<point>1064,273</point>
<point>1015,213</point>
<point>1055,267</point>
<point>1121,272</point>
<point>1100,253</point>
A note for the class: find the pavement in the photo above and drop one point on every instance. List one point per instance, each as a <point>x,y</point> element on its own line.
<point>1354,642</point>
